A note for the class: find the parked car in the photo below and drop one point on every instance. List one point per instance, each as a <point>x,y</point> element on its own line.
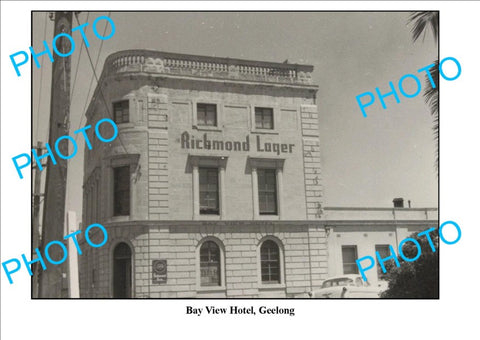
<point>347,286</point>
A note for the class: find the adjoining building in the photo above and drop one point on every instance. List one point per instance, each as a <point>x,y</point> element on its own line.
<point>213,186</point>
<point>353,233</point>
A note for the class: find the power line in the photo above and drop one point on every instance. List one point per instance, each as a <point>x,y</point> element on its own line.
<point>84,106</point>
<point>78,63</point>
<point>91,79</point>
<point>99,87</point>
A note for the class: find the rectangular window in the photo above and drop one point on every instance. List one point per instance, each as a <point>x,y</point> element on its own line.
<point>121,112</point>
<point>349,256</point>
<point>264,118</point>
<point>267,191</point>
<point>209,204</point>
<point>207,114</point>
<point>121,191</point>
<point>384,251</point>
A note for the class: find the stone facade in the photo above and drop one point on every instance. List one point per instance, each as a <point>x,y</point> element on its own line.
<point>304,258</point>
<point>160,145</point>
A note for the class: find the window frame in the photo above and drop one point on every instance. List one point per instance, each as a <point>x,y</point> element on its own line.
<point>254,165</point>
<point>194,163</point>
<point>111,162</point>
<point>275,118</point>
<point>219,114</point>
<point>354,264</point>
<point>210,288</point>
<point>272,262</point>
<point>122,101</point>
<point>261,111</point>
<point>126,192</point>
<point>204,123</point>
<point>216,170</point>
<point>217,265</point>
<point>266,191</point>
<point>262,285</point>
<point>380,274</point>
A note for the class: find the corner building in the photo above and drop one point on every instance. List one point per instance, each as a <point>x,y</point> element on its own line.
<point>212,188</point>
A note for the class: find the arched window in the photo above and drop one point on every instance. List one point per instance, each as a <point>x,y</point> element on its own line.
<point>122,271</point>
<point>270,262</point>
<point>210,264</point>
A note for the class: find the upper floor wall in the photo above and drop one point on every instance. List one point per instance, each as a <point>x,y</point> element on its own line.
<point>169,139</point>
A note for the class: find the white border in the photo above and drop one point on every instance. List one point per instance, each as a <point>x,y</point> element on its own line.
<point>24,319</point>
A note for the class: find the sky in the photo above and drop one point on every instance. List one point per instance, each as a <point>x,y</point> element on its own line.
<point>366,161</point>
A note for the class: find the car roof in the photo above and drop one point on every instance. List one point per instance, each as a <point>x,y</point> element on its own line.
<point>346,276</point>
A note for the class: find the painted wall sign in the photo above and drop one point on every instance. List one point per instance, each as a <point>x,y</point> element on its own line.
<point>188,141</point>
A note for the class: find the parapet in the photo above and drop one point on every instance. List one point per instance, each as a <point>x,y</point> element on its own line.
<point>376,214</point>
<point>156,62</point>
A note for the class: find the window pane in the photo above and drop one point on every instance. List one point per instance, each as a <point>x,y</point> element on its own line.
<point>121,111</point>
<point>270,179</point>
<point>258,121</point>
<point>209,203</point>
<point>267,120</point>
<point>207,114</point>
<point>267,191</point>
<point>263,118</point>
<point>210,264</point>
<point>349,256</point>
<point>384,251</point>
<point>270,262</point>
<point>121,192</point>
<point>211,108</point>
<point>201,120</point>
<point>118,116</point>
<point>350,268</point>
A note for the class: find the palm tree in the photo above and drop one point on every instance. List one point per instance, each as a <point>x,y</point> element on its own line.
<point>422,21</point>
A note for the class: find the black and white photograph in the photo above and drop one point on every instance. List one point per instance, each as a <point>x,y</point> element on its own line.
<point>237,168</point>
<point>235,162</point>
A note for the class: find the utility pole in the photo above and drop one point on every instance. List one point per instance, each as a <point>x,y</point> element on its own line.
<point>52,282</point>
<point>73,283</point>
<point>36,219</point>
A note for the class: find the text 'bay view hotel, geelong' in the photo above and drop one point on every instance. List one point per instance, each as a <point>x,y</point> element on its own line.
<point>213,186</point>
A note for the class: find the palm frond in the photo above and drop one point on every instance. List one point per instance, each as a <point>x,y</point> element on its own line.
<point>421,22</point>
<point>430,93</point>
<point>431,99</point>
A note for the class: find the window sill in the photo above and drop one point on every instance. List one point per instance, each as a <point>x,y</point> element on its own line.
<point>119,218</point>
<point>207,128</point>
<point>127,125</point>
<point>265,132</point>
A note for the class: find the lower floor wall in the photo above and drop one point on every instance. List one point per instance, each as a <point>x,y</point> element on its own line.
<point>244,259</point>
